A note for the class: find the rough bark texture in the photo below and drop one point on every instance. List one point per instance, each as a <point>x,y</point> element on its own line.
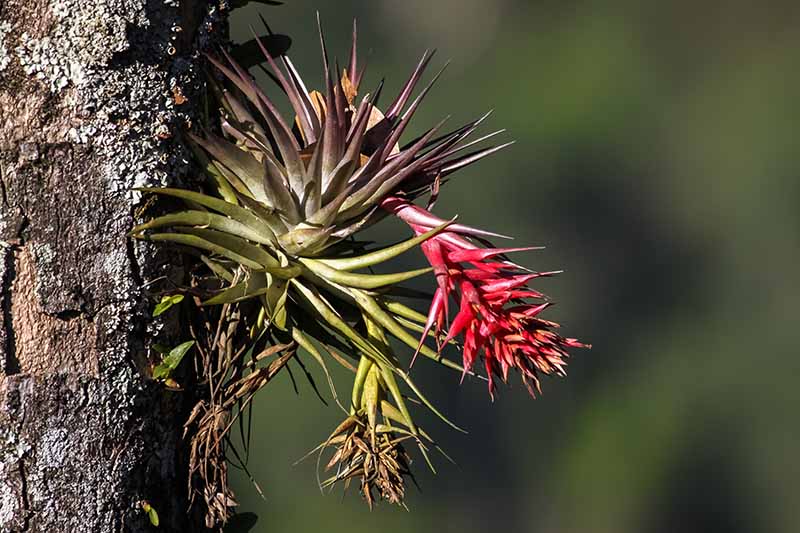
<point>92,98</point>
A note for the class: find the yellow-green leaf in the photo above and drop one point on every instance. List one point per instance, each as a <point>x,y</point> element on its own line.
<point>167,302</point>
<point>171,361</point>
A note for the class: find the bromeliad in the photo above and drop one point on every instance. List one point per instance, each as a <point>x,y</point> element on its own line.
<point>278,227</point>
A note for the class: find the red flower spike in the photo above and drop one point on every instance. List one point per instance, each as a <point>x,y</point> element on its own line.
<point>506,337</point>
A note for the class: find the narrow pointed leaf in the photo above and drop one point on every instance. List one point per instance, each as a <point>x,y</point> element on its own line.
<point>428,404</point>
<point>364,366</point>
<point>409,113</point>
<point>399,103</point>
<point>467,160</point>
<point>360,281</point>
<point>304,342</point>
<point>356,200</point>
<point>267,214</point>
<point>237,186</point>
<point>202,244</point>
<point>208,220</point>
<point>234,211</point>
<point>385,254</point>
<point>327,214</point>
<point>336,322</point>
<point>404,311</point>
<point>253,286</point>
<point>290,89</point>
<point>391,384</point>
<point>245,166</point>
<point>287,144</point>
<point>275,303</point>
<point>235,244</point>
<point>166,303</point>
<point>218,269</point>
<point>392,326</point>
<point>352,66</point>
<point>223,186</point>
<point>304,240</point>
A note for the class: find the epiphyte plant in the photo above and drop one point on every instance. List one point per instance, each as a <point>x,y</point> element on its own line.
<point>277,232</point>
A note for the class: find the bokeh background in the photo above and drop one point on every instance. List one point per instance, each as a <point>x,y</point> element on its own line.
<point>657,158</point>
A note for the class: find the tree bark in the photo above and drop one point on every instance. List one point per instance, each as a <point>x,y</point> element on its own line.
<point>93,96</point>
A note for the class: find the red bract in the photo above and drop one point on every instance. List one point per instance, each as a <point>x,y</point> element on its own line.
<point>495,317</point>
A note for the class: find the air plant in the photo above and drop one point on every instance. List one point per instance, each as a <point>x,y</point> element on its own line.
<point>279,226</point>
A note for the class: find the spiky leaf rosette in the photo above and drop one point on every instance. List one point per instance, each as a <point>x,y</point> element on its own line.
<point>320,177</point>
<point>290,194</point>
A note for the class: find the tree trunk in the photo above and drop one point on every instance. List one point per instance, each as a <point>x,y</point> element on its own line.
<point>93,96</point>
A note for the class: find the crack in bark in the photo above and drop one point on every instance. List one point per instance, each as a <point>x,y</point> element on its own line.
<point>11,363</point>
<point>3,194</point>
<point>136,273</point>
<point>26,504</point>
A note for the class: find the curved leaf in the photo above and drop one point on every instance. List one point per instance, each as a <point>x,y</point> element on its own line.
<point>246,167</point>
<point>237,213</point>
<point>208,220</point>
<point>235,244</point>
<point>198,242</point>
<point>253,286</point>
<point>384,254</point>
<point>306,343</point>
<point>360,281</point>
<point>392,326</point>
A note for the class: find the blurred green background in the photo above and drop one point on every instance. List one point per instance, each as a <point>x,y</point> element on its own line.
<point>657,158</point>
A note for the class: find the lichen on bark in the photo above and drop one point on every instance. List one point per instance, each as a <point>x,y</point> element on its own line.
<point>87,112</point>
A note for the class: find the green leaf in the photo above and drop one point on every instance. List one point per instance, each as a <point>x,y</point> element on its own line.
<point>242,164</point>
<point>304,240</point>
<point>268,214</point>
<point>364,364</point>
<point>392,413</point>
<point>306,343</point>
<point>240,214</point>
<point>377,335</point>
<point>171,361</point>
<point>330,316</point>
<point>218,269</point>
<point>237,186</point>
<point>167,302</point>
<point>206,220</point>
<point>427,402</point>
<point>385,254</point>
<point>235,244</point>
<point>403,310</point>
<point>151,513</point>
<point>223,187</point>
<point>196,242</point>
<point>376,312</point>
<point>371,396</point>
<point>275,303</point>
<point>391,384</point>
<point>153,516</point>
<point>360,281</point>
<point>253,286</point>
